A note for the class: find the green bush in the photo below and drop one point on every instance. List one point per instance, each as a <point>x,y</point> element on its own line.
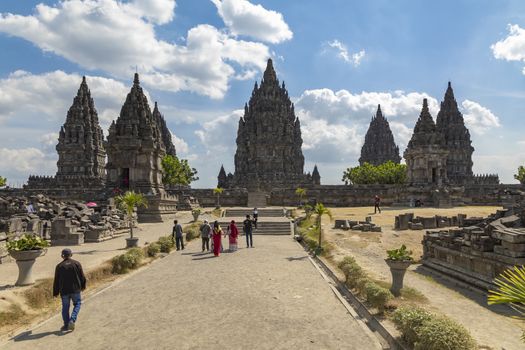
<point>442,333</point>
<point>408,320</point>
<point>192,231</point>
<point>153,249</point>
<point>127,261</point>
<point>425,331</point>
<point>377,296</point>
<point>166,244</point>
<point>354,274</point>
<point>27,242</point>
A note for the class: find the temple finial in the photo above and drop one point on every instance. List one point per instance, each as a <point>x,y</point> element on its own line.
<point>136,79</point>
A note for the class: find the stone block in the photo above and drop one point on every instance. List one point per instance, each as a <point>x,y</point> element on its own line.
<point>415,226</point>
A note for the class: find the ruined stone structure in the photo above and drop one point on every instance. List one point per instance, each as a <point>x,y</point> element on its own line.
<point>426,154</point>
<point>379,146</point>
<point>164,131</point>
<point>135,148</point>
<point>450,123</point>
<point>269,140</point>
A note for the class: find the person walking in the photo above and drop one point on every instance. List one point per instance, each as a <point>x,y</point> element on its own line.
<point>255,217</point>
<point>205,235</point>
<point>217,238</point>
<point>377,202</point>
<point>233,233</point>
<point>177,234</point>
<point>247,227</point>
<point>68,283</point>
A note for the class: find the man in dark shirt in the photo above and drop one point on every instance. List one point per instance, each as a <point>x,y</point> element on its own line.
<point>247,227</point>
<point>69,282</point>
<point>177,234</point>
<point>377,202</point>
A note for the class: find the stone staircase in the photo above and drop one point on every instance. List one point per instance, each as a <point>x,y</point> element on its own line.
<point>257,199</point>
<point>263,227</point>
<point>263,212</point>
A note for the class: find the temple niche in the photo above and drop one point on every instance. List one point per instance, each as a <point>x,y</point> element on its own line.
<point>269,141</point>
<point>426,153</point>
<point>135,147</point>
<point>450,123</point>
<point>379,146</point>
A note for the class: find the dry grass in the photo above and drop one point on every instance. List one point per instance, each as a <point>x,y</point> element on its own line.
<point>40,295</point>
<point>12,316</point>
<point>217,212</point>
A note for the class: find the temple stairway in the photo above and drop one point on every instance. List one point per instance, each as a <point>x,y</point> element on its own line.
<point>257,199</point>
<point>271,221</point>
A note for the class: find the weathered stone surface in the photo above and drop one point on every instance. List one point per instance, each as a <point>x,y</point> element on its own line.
<point>164,131</point>
<point>379,146</point>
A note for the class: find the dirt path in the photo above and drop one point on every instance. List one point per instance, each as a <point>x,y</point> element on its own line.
<point>488,326</point>
<point>268,297</point>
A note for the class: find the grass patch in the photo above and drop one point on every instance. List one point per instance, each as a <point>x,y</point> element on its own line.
<point>309,231</point>
<point>13,315</point>
<point>40,295</point>
<point>217,212</point>
<point>407,293</point>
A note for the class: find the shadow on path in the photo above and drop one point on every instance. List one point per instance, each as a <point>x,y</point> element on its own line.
<point>30,336</point>
<point>204,257</point>
<point>472,293</point>
<point>293,258</point>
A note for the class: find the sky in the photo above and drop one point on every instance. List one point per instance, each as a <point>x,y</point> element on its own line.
<point>199,60</point>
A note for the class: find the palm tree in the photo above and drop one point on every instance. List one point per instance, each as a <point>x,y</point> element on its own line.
<point>301,192</point>
<point>3,181</point>
<point>321,210</point>
<point>511,290</point>
<point>218,191</point>
<point>128,202</point>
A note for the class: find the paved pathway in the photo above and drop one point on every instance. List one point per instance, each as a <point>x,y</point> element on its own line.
<point>268,297</point>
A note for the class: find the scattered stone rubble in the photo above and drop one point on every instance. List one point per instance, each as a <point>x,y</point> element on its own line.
<point>63,223</point>
<point>407,221</point>
<point>365,226</point>
<point>481,249</point>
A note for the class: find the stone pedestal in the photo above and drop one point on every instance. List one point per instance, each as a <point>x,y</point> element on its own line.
<point>398,269</point>
<point>25,261</point>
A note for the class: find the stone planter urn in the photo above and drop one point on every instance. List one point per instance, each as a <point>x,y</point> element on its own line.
<point>397,269</point>
<point>132,242</point>
<point>195,214</point>
<point>25,259</point>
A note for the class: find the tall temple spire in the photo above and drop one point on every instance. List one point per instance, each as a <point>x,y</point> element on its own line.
<point>136,79</point>
<point>457,137</point>
<point>379,146</point>
<point>81,153</point>
<point>269,73</point>
<point>165,132</point>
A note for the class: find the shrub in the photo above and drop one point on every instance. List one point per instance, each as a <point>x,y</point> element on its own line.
<point>192,231</point>
<point>354,274</point>
<point>166,244</point>
<point>426,331</point>
<point>153,249</point>
<point>440,333</point>
<point>377,296</point>
<point>130,260</point>
<point>400,254</point>
<point>408,320</point>
<point>27,242</point>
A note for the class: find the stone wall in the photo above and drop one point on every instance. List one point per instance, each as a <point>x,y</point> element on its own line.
<point>236,197</point>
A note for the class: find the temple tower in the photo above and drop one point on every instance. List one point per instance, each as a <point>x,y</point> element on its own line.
<point>269,139</point>
<point>135,147</point>
<point>165,132</point>
<point>316,177</point>
<point>379,146</point>
<point>81,153</point>
<point>426,153</point>
<point>450,123</point>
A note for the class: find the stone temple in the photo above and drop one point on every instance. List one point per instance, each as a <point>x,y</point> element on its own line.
<point>269,141</point>
<point>379,146</point>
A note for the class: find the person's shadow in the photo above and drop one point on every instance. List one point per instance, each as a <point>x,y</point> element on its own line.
<point>29,335</point>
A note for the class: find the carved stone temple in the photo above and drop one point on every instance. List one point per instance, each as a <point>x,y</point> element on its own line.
<point>135,148</point>
<point>426,154</point>
<point>450,123</point>
<point>269,141</point>
<point>379,146</point>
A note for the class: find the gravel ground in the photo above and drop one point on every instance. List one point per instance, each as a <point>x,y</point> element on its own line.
<point>268,297</point>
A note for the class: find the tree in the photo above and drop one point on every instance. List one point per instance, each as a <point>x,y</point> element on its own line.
<point>520,176</point>
<point>321,210</point>
<point>386,173</point>
<point>218,191</point>
<point>511,290</point>
<point>3,181</point>
<point>301,192</point>
<point>177,172</point>
<point>128,202</point>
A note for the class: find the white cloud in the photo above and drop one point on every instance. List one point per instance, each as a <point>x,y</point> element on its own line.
<point>342,52</point>
<point>512,48</point>
<point>30,97</point>
<point>181,146</point>
<point>125,38</point>
<point>244,18</point>
<point>24,161</point>
<point>478,118</point>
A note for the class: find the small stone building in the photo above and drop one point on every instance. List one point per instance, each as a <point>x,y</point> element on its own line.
<point>426,154</point>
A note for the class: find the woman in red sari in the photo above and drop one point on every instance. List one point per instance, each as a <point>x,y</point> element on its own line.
<point>216,236</point>
<point>233,233</point>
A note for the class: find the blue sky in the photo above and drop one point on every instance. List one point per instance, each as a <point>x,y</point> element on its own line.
<point>200,59</point>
